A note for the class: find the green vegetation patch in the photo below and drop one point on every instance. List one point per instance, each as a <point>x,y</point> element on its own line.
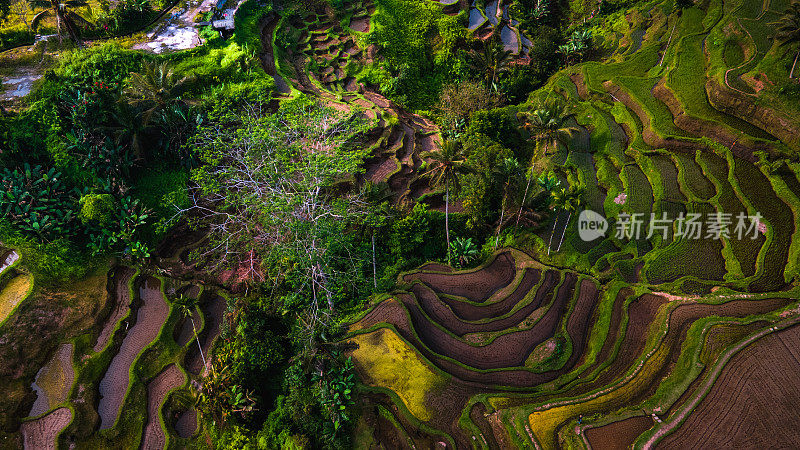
<point>387,360</point>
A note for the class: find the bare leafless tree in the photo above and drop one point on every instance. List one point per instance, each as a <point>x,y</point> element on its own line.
<point>267,193</point>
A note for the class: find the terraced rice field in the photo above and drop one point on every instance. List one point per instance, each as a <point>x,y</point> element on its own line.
<point>213,312</point>
<point>54,381</point>
<point>40,434</point>
<point>120,308</point>
<point>754,397</point>
<point>157,390</point>
<point>618,435</point>
<point>533,348</point>
<point>150,317</point>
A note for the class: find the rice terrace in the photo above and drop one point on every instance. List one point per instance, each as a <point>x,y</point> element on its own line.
<point>384,224</point>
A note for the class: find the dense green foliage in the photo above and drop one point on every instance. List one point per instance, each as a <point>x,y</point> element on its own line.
<point>418,44</point>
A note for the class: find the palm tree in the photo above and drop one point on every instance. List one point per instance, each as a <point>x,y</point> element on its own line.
<point>548,126</point>
<point>187,306</point>
<point>66,19</point>
<point>491,60</point>
<point>509,170</point>
<point>155,89</point>
<point>569,200</point>
<point>445,168</point>
<point>788,31</point>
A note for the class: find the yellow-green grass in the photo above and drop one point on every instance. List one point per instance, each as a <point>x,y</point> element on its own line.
<point>384,359</point>
<point>687,76</point>
<point>54,379</point>
<point>15,291</point>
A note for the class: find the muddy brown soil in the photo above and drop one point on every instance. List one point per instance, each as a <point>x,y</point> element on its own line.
<point>507,350</point>
<point>680,320</point>
<point>618,435</point>
<point>41,434</point>
<point>150,317</point>
<point>471,312</point>
<point>213,312</point>
<point>157,391</point>
<point>430,302</point>
<point>753,403</point>
<point>475,286</point>
<point>186,425</point>
<point>121,303</point>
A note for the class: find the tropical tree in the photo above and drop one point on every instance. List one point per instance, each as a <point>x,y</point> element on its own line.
<point>548,127</point>
<point>577,46</point>
<point>491,60</point>
<point>66,18</point>
<point>186,307</point>
<point>220,397</point>
<point>268,192</point>
<point>154,89</point>
<point>20,8</point>
<point>568,200</point>
<point>464,250</point>
<point>788,31</point>
<point>445,168</point>
<point>510,171</point>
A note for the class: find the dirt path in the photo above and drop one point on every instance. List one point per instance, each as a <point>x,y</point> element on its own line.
<point>149,320</point>
<point>178,31</point>
<point>18,84</point>
<point>41,434</point>
<point>54,381</point>
<point>157,391</point>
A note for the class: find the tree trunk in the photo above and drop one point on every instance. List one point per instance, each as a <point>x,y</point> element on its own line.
<point>500,225</point>
<point>447,216</point>
<point>668,42</point>
<point>794,64</point>
<point>374,267</point>
<point>197,339</point>
<point>552,232</point>
<point>524,197</point>
<point>564,233</point>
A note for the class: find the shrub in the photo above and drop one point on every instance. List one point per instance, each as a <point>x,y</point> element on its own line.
<point>235,96</point>
<point>37,203</point>
<point>418,42</point>
<point>458,101</point>
<point>15,36</point>
<point>497,124</point>
<point>464,251</point>
<point>97,208</point>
